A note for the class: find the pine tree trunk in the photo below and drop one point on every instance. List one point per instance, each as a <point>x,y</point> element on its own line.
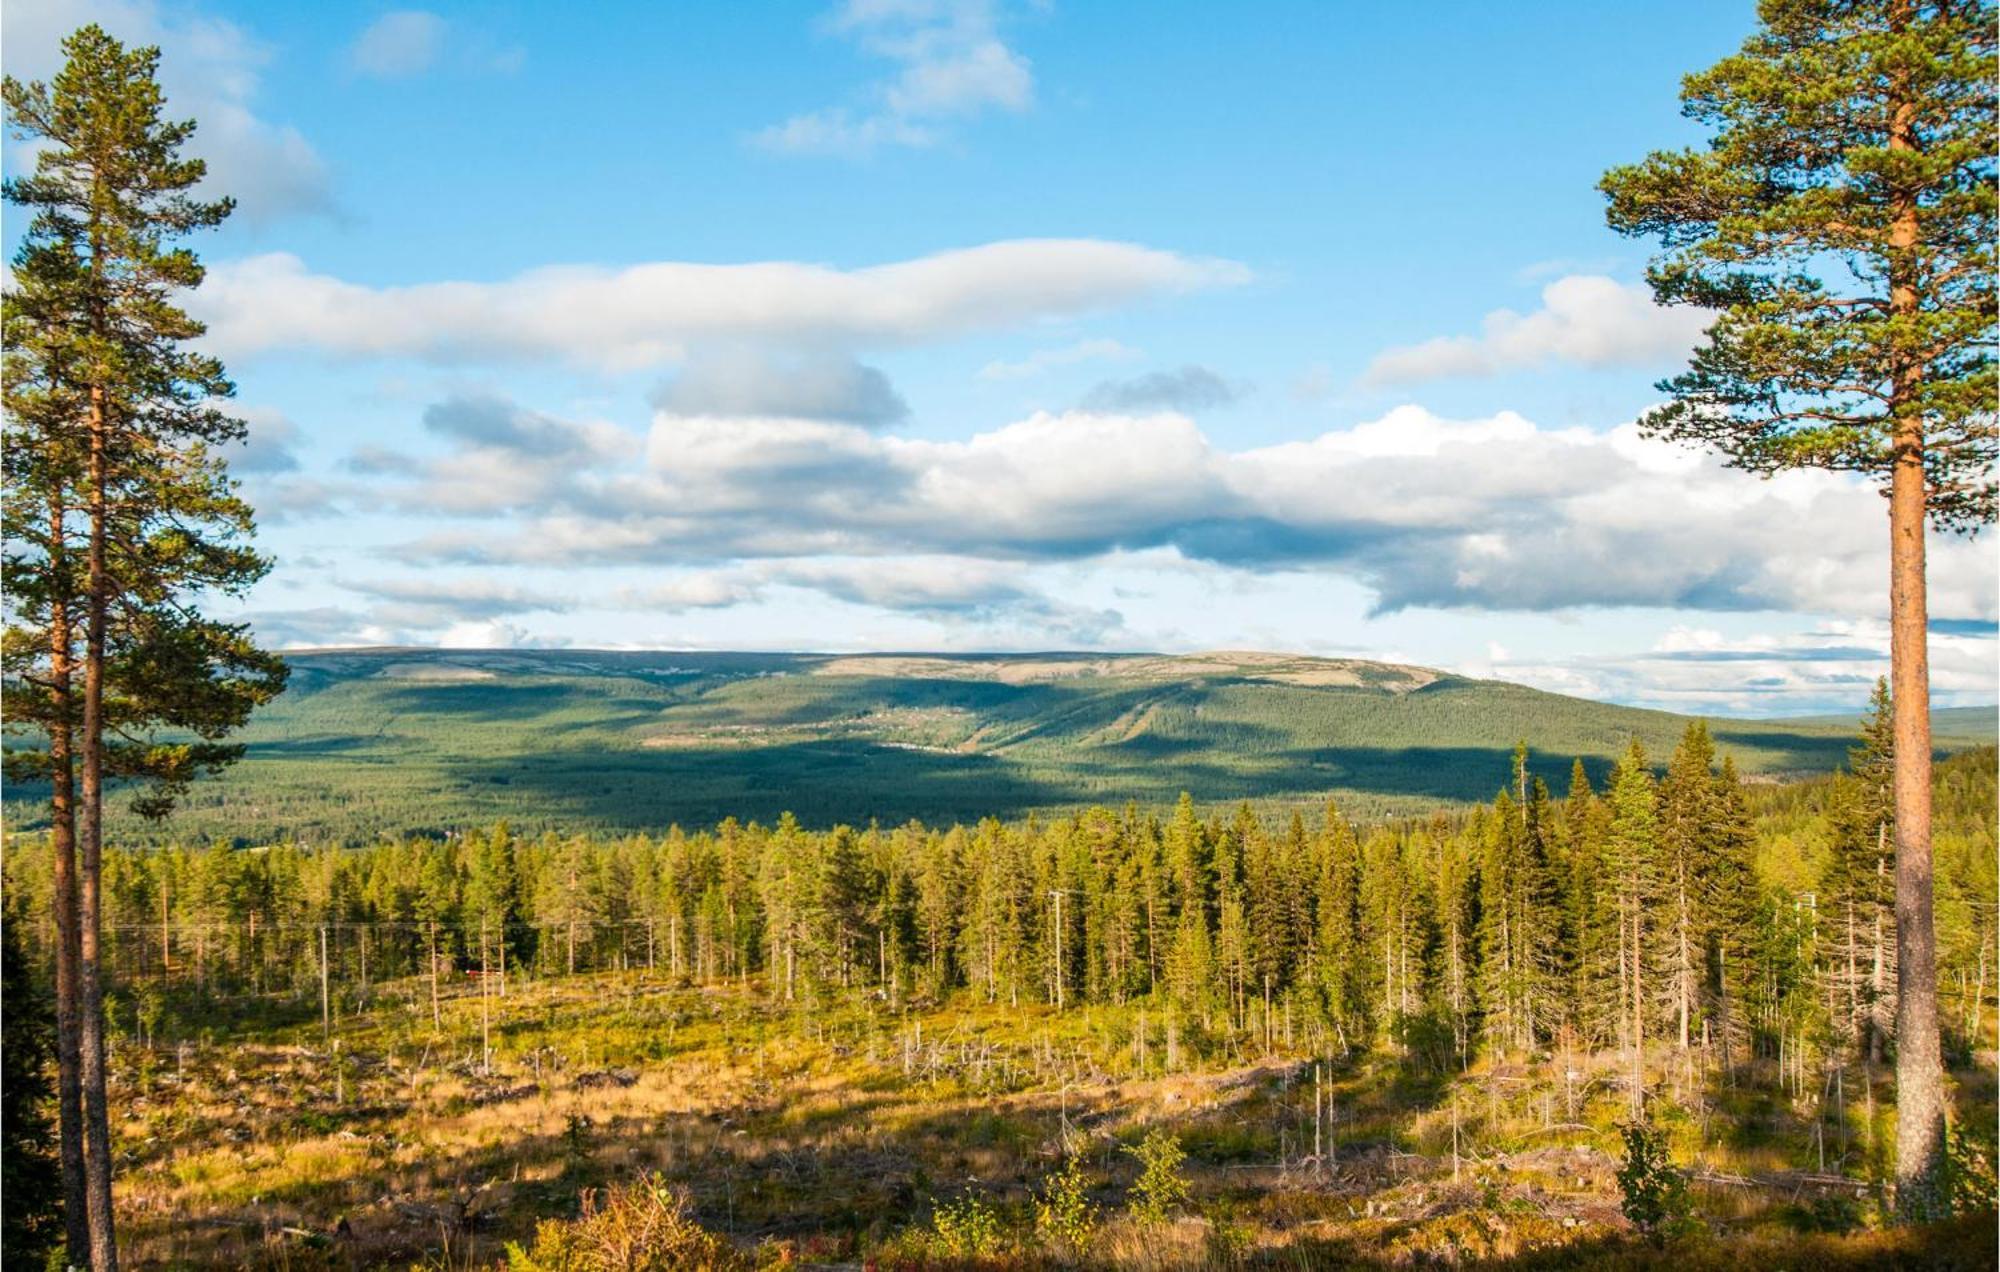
<point>96,1117</point>
<point>1919,1069</point>
<point>62,809</point>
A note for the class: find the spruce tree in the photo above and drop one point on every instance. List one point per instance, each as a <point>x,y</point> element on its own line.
<point>1631,890</point>
<point>1732,902</point>
<point>1687,823</point>
<point>1340,946</point>
<point>1842,224</point>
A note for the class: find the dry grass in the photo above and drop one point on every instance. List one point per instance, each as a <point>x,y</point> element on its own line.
<point>828,1134</point>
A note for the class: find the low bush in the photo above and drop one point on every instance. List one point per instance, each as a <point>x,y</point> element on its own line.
<point>643,1227</point>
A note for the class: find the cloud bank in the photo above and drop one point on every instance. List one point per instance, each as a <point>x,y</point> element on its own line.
<point>1495,514</point>
<point>647,315</point>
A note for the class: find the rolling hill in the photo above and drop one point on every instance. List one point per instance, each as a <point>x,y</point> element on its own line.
<point>374,741</point>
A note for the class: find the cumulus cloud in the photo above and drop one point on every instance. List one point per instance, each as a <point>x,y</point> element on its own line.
<point>405,42</point>
<point>646,315</point>
<point>951,65</point>
<point>1831,667</point>
<point>752,382</point>
<point>333,627</point>
<point>495,423</point>
<point>318,627</point>
<point>455,612</point>
<point>1042,361</point>
<point>954,589</point>
<point>1493,513</point>
<point>700,589</point>
<point>429,602</point>
<point>1586,319</point>
<point>1191,388</point>
<point>500,458</point>
<point>211,70</point>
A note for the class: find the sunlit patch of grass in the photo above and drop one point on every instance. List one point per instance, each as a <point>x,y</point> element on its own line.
<point>835,1129</point>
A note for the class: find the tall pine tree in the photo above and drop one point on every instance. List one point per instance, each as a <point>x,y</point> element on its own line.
<point>1841,223</point>
<point>99,271</point>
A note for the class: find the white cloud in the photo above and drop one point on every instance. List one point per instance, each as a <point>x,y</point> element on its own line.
<point>645,315</point>
<point>1494,513</point>
<point>430,602</point>
<point>1190,388</point>
<point>1585,319</point>
<point>1830,667</point>
<point>210,70</point>
<point>404,42</point>
<point>951,65</point>
<point>501,458</point>
<point>495,634</point>
<point>809,385</point>
<point>1042,361</point>
<point>701,589</point>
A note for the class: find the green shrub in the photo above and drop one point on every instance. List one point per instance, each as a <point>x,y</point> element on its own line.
<point>1228,1240</point>
<point>1829,1212</point>
<point>1970,1184</point>
<point>641,1228</point>
<point>1161,1190</point>
<point>965,1228</point>
<point>1656,1197</point>
<point>1064,1214</point>
<point>576,1143</point>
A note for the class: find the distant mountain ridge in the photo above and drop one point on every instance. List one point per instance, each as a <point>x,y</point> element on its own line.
<point>398,741</point>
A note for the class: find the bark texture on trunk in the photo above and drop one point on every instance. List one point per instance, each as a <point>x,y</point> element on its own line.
<point>62,812</point>
<point>1919,1066</point>
<point>96,1114</point>
<point>1919,1070</point>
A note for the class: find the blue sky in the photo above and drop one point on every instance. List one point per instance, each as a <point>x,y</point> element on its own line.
<point>945,324</point>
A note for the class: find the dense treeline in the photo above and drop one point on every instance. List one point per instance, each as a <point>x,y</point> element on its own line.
<point>365,746</point>
<point>1660,911</point>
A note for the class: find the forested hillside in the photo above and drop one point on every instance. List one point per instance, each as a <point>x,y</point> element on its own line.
<point>395,742</point>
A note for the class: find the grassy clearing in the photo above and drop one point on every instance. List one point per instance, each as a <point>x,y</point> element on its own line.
<point>757,1134</point>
